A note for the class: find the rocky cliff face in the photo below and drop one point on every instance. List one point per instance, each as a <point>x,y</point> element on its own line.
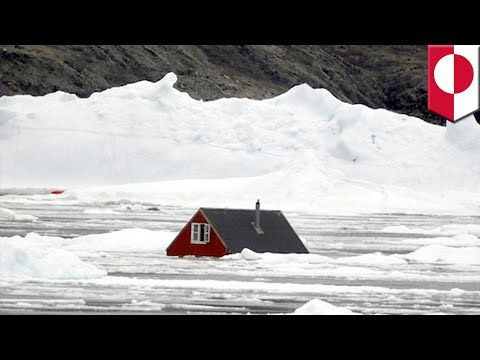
<point>390,76</point>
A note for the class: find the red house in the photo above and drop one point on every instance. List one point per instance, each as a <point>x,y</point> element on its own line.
<point>218,232</point>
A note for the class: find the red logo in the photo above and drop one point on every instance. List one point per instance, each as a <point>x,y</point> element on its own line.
<point>453,86</point>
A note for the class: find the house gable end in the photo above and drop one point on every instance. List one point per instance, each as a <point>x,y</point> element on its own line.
<point>182,245</point>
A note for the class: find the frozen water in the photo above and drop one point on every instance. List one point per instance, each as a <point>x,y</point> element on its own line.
<point>352,265</point>
<point>25,259</point>
<point>302,150</point>
<point>319,307</point>
<point>123,240</point>
<point>10,215</point>
<point>447,255</point>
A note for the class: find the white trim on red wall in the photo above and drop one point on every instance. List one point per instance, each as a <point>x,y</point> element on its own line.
<point>196,231</point>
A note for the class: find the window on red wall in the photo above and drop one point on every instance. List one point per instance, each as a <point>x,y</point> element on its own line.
<point>200,233</point>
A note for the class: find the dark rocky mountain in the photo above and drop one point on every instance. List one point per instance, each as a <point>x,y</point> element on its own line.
<point>380,76</point>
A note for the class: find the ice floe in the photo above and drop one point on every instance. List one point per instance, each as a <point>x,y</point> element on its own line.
<point>320,307</point>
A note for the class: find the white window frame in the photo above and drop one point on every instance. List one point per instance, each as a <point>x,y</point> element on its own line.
<point>195,233</point>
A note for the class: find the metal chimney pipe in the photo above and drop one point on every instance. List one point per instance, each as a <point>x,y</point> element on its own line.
<point>257,214</point>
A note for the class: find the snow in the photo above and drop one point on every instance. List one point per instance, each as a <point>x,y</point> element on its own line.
<point>304,149</point>
<point>248,254</point>
<point>291,260</point>
<point>264,282</point>
<point>123,240</point>
<point>36,256</point>
<point>455,241</point>
<point>446,255</point>
<point>373,259</point>
<point>318,289</point>
<point>273,258</point>
<point>457,291</point>
<point>28,259</point>
<point>11,215</point>
<point>319,307</point>
<point>42,252</point>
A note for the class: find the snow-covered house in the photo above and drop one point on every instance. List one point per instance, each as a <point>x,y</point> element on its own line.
<point>218,232</point>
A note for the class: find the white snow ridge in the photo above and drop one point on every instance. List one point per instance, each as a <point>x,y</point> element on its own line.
<point>11,215</point>
<point>29,258</point>
<point>302,149</point>
<point>319,307</point>
<point>123,240</point>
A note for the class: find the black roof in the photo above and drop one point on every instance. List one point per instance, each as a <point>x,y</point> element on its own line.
<point>235,228</point>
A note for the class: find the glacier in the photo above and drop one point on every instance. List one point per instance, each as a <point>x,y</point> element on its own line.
<point>304,149</point>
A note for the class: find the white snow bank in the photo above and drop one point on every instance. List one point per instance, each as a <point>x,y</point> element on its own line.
<point>21,258</point>
<point>455,241</point>
<point>274,258</point>
<point>299,185</point>
<point>373,259</point>
<point>11,215</point>
<point>123,240</point>
<point>446,255</point>
<point>450,229</point>
<point>304,148</point>
<point>36,256</point>
<point>320,307</point>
